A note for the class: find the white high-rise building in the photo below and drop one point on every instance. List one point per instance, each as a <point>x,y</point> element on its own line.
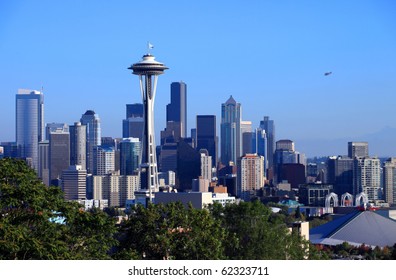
<point>29,123</point>
<point>250,175</point>
<point>115,188</point>
<point>103,160</point>
<point>206,166</point>
<point>367,177</point>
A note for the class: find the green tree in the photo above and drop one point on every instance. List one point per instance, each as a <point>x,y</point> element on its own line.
<point>37,223</point>
<point>171,232</point>
<point>256,234</point>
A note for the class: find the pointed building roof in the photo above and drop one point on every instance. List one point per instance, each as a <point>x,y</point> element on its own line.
<point>231,100</point>
<point>356,228</point>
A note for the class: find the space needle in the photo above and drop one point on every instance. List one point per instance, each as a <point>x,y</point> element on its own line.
<point>148,71</point>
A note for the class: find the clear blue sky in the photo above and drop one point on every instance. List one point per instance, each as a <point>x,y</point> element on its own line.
<point>270,55</point>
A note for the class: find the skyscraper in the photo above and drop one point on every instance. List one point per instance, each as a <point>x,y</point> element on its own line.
<point>367,177</point>
<point>92,121</point>
<point>74,181</point>
<point>130,151</point>
<point>29,123</point>
<point>285,154</point>
<point>246,137</point>
<point>230,131</point>
<point>250,175</point>
<point>176,111</point>
<point>133,125</point>
<point>78,145</point>
<point>358,149</point>
<point>134,110</point>
<point>269,127</point>
<point>148,71</point>
<point>103,160</point>
<point>340,174</point>
<point>59,151</point>
<point>207,136</point>
<point>390,181</point>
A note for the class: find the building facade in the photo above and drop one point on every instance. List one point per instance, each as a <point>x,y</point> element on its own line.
<point>78,145</point>
<point>130,156</point>
<point>367,177</point>
<point>269,127</point>
<point>92,122</point>
<point>176,110</point>
<point>29,121</point>
<point>358,149</point>
<point>103,160</point>
<point>250,175</point>
<point>230,131</point>
<point>390,181</point>
<point>74,183</point>
<point>117,189</point>
<point>206,135</point>
<point>59,151</point>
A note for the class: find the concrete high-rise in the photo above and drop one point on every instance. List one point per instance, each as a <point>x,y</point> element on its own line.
<point>103,160</point>
<point>59,151</point>
<point>230,131</point>
<point>74,181</point>
<point>92,121</point>
<point>148,71</point>
<point>29,116</point>
<point>358,149</point>
<point>78,145</point>
<point>43,162</point>
<point>367,177</point>
<point>207,136</point>
<point>250,175</point>
<point>390,181</point>
<point>206,165</point>
<point>176,111</point>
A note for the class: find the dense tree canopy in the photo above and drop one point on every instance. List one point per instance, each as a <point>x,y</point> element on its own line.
<point>37,223</point>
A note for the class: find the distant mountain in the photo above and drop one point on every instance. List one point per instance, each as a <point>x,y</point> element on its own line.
<point>381,144</point>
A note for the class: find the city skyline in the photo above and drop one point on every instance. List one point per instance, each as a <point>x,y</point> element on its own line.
<point>270,57</point>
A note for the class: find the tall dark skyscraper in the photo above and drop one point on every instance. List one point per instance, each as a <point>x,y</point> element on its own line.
<point>176,111</point>
<point>230,125</point>
<point>78,145</point>
<point>207,136</point>
<point>133,125</point>
<point>269,127</point>
<point>59,151</point>
<point>29,123</point>
<point>134,110</point>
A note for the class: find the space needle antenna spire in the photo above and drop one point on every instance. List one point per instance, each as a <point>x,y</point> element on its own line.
<point>148,70</point>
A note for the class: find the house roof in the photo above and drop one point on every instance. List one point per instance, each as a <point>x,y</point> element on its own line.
<point>356,228</point>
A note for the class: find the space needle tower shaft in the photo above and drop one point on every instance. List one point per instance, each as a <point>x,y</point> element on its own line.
<point>148,71</point>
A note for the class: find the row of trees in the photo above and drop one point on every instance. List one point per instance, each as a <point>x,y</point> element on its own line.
<point>37,223</point>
